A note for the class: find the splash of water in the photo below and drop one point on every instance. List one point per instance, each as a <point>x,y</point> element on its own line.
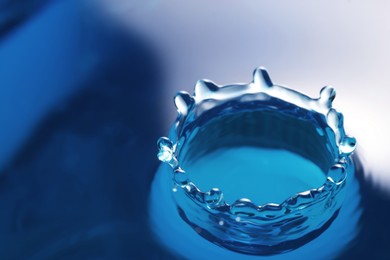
<point>252,113</point>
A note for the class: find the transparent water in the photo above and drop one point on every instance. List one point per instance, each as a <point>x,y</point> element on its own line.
<point>229,196</point>
<point>278,173</point>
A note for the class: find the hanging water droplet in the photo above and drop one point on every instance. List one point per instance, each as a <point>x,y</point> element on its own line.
<point>213,197</point>
<point>347,145</point>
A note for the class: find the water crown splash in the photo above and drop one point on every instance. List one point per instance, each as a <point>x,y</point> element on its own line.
<point>263,115</point>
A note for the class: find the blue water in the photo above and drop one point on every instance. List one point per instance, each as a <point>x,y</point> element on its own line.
<point>261,175</point>
<point>185,242</point>
<point>82,186</point>
<point>257,168</point>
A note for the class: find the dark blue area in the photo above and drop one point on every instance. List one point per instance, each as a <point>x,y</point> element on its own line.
<point>78,188</point>
<point>373,239</point>
<point>14,12</point>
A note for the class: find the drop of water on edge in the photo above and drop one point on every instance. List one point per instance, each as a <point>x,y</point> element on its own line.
<point>213,197</point>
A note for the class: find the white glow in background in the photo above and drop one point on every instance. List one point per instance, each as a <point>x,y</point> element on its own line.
<point>304,44</point>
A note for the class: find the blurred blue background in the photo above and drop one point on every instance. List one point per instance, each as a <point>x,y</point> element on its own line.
<point>86,89</point>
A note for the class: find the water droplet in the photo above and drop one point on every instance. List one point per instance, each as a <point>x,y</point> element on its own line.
<point>213,197</point>
<point>238,219</point>
<point>183,102</point>
<point>336,122</point>
<point>337,173</point>
<point>165,155</point>
<point>347,145</point>
<point>221,222</point>
<point>174,189</point>
<point>164,142</point>
<point>244,207</point>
